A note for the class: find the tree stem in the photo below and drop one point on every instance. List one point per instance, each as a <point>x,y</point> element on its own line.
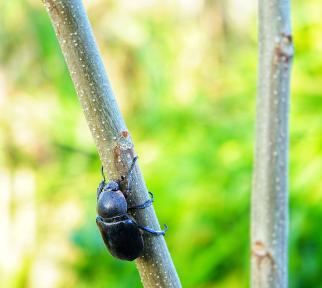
<point>269,227</point>
<point>113,141</point>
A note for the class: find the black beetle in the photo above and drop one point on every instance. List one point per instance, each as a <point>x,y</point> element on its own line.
<point>121,234</point>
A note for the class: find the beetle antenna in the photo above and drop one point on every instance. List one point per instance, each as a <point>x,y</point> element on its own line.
<point>102,171</point>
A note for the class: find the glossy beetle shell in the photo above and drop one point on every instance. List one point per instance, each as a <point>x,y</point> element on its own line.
<point>122,237</point>
<point>111,204</point>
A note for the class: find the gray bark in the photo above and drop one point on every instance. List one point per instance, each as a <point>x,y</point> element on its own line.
<point>113,141</point>
<point>269,227</point>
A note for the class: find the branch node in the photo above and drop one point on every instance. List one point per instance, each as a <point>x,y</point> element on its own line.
<point>284,50</point>
<point>260,253</point>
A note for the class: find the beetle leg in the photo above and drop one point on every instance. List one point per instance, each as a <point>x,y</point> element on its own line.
<point>146,204</point>
<point>129,173</point>
<point>102,184</point>
<point>129,176</point>
<point>102,171</point>
<point>154,232</point>
<point>100,188</point>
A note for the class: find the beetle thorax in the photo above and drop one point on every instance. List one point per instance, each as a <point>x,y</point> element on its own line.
<point>111,204</point>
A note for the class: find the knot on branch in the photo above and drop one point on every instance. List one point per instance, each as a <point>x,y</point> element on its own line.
<point>284,49</point>
<point>123,152</point>
<point>260,253</point>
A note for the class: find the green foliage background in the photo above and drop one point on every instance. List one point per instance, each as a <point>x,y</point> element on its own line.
<point>184,73</point>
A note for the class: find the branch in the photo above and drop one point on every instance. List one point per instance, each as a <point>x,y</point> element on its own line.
<point>113,141</point>
<point>270,179</point>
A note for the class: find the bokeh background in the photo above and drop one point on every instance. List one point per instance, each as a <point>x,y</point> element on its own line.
<point>184,72</point>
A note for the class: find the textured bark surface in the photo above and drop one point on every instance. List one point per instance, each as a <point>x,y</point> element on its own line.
<point>269,227</point>
<point>113,141</point>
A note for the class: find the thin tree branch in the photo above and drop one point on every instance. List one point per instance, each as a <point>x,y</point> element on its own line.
<point>270,180</point>
<point>113,141</point>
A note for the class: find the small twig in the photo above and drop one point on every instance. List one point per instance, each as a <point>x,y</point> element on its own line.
<point>111,136</point>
